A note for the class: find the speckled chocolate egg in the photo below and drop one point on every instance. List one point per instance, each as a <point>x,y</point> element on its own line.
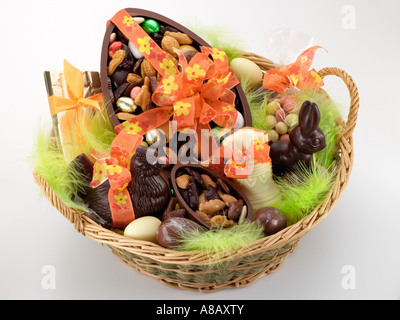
<point>171,231</point>
<point>272,219</point>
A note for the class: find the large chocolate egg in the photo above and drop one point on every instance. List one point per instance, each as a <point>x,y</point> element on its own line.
<point>109,84</point>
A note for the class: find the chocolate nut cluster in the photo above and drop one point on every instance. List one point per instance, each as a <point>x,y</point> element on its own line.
<point>210,199</point>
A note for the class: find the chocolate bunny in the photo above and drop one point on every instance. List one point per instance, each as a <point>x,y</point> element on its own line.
<point>305,140</point>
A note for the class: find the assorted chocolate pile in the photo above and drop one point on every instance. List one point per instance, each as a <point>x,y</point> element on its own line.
<point>209,199</point>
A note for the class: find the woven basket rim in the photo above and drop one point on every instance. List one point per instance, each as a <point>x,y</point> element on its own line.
<point>91,229</point>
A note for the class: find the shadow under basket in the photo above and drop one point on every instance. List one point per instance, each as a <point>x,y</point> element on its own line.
<point>194,270</point>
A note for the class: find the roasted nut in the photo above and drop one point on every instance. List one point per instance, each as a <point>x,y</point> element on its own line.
<point>228,199</point>
<point>125,116</point>
<point>208,181</point>
<point>186,47</point>
<point>147,69</point>
<point>183,181</point>
<point>212,206</point>
<point>221,222</point>
<point>203,216</point>
<point>116,60</point>
<point>135,79</point>
<point>235,209</point>
<point>202,197</point>
<point>182,38</point>
<point>168,44</point>
<point>143,99</point>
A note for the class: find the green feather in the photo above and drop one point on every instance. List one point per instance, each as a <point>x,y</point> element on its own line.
<point>303,194</point>
<point>218,244</point>
<point>63,178</point>
<point>218,36</point>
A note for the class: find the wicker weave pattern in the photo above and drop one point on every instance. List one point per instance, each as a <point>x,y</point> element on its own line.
<point>244,265</point>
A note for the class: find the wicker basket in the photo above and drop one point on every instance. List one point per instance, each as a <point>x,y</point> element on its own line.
<point>244,265</point>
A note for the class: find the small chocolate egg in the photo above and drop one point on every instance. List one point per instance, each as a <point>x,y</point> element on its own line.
<point>273,135</point>
<point>281,128</point>
<point>272,219</point>
<point>150,26</point>
<point>172,230</point>
<point>144,228</point>
<point>270,121</point>
<point>126,104</point>
<point>292,119</point>
<point>273,106</point>
<point>153,136</point>
<point>280,115</point>
<point>247,71</point>
<point>239,121</point>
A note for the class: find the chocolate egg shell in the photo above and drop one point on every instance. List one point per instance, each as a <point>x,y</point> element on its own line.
<point>271,219</point>
<point>170,231</point>
<point>242,105</point>
<point>213,175</point>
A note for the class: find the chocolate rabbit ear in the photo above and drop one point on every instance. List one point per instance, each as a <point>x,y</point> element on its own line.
<point>309,118</point>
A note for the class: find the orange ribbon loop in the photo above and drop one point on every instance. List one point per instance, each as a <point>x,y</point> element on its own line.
<point>296,74</point>
<point>74,106</point>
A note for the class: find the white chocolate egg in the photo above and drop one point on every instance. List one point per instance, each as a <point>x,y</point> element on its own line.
<point>247,71</point>
<point>144,228</point>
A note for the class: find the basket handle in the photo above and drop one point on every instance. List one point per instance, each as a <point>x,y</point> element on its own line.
<point>354,97</point>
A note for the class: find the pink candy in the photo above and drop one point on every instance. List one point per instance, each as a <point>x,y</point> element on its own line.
<point>135,91</point>
<point>114,47</point>
<point>288,103</point>
<point>280,115</point>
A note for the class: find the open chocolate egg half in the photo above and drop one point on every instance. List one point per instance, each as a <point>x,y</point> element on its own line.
<point>116,86</point>
<point>209,206</point>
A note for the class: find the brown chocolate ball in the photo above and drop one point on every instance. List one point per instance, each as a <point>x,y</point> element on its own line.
<point>271,219</point>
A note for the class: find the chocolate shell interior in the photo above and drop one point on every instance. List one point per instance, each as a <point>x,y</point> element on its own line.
<point>234,191</point>
<point>109,88</point>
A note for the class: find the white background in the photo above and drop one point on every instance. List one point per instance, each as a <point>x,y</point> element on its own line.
<point>361,231</point>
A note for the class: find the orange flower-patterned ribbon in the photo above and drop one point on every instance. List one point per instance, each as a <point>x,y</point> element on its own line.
<point>185,92</point>
<point>234,163</point>
<point>114,168</point>
<point>75,104</point>
<point>296,74</point>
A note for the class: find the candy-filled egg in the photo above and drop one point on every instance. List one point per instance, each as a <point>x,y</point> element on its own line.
<point>144,228</point>
<point>247,71</point>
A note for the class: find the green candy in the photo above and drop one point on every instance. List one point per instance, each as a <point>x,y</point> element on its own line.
<point>150,26</point>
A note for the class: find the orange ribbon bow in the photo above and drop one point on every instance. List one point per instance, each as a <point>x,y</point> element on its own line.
<point>295,74</point>
<point>234,163</point>
<point>75,104</point>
